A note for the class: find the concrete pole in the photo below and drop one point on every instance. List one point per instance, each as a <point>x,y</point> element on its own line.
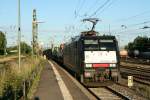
<point>109,30</point>
<point>19,34</point>
<point>118,41</point>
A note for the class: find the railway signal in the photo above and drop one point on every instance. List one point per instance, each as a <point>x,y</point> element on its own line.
<point>130,81</point>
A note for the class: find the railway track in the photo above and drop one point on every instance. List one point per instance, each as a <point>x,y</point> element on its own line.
<point>136,61</point>
<point>141,74</point>
<point>106,93</point>
<point>114,92</point>
<point>137,72</point>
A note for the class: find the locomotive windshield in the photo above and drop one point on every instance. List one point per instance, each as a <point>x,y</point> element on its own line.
<point>90,41</point>
<point>91,45</point>
<point>101,45</point>
<point>107,45</point>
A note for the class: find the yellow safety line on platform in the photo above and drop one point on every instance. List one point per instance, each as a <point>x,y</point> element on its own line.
<point>64,90</point>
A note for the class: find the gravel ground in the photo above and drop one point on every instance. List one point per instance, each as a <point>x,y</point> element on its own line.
<point>133,93</point>
<point>104,94</point>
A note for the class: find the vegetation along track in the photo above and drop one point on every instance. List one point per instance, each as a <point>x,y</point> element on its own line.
<point>5,61</point>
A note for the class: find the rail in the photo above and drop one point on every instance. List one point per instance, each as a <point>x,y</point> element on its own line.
<point>141,75</point>
<point>136,61</point>
<point>106,93</point>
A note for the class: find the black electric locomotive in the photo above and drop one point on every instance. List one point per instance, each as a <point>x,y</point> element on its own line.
<point>93,59</point>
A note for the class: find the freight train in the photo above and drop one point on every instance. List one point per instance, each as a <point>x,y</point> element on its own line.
<point>135,54</point>
<point>93,59</point>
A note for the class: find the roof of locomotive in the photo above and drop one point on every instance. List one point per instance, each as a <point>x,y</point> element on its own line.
<point>93,35</point>
<point>90,35</point>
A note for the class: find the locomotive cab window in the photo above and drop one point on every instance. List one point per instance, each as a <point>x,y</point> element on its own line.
<point>107,45</point>
<point>90,41</point>
<point>91,45</point>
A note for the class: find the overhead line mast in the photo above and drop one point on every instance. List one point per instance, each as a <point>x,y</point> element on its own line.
<point>34,33</point>
<point>19,34</point>
<point>35,44</point>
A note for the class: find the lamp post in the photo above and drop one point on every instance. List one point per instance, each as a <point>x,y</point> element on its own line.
<point>118,40</point>
<point>19,34</point>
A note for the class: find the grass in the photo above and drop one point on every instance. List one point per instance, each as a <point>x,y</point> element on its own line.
<point>2,85</point>
<point>12,78</point>
<point>9,55</point>
<point>33,88</point>
<point>144,91</point>
<point>35,83</point>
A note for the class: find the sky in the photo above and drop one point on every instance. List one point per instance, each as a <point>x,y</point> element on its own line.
<point>63,19</point>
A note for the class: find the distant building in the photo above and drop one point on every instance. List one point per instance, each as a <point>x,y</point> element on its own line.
<point>123,53</point>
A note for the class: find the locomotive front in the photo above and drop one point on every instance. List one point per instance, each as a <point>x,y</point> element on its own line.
<point>100,59</point>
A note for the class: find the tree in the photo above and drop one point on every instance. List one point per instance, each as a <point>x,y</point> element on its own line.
<point>141,44</point>
<point>3,43</point>
<point>25,48</point>
<point>129,47</point>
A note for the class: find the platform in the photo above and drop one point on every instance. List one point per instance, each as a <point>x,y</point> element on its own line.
<point>56,84</point>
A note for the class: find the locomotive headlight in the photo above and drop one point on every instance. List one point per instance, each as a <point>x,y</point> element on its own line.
<point>112,65</point>
<point>88,65</point>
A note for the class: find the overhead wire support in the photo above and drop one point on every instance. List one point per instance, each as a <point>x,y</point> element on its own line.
<point>134,16</point>
<point>99,8</point>
<point>145,22</point>
<point>127,27</point>
<point>34,33</point>
<point>19,35</point>
<point>106,7</point>
<point>77,11</point>
<point>91,7</point>
<point>145,27</point>
<point>77,6</point>
<point>35,44</point>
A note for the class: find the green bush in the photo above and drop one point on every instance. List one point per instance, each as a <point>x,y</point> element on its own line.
<point>25,49</point>
<point>3,43</point>
<point>12,79</point>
